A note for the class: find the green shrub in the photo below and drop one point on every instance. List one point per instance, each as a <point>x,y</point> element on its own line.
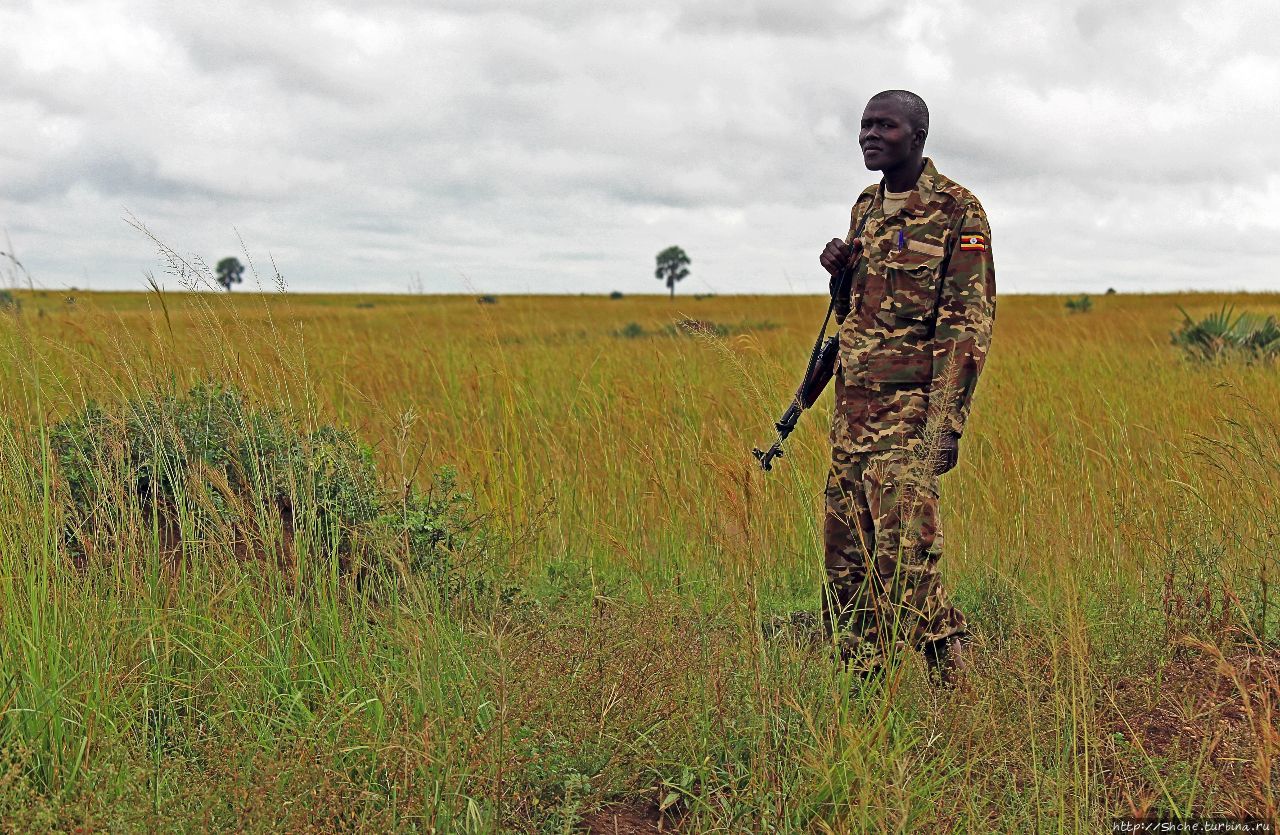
<point>632,330</point>
<point>441,536</point>
<point>1083,304</point>
<point>207,470</point>
<point>206,467</point>
<point>615,295</point>
<point>705,327</point>
<point>487,299</point>
<point>8,301</point>
<point>1223,335</point>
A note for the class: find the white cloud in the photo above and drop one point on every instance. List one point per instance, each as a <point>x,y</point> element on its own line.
<point>556,145</point>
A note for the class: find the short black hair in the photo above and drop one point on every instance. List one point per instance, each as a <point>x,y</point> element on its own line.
<point>915,108</point>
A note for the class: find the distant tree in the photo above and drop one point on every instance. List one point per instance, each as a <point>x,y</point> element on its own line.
<point>230,271</point>
<point>673,265</point>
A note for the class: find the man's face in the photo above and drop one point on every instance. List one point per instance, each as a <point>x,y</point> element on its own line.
<point>886,137</point>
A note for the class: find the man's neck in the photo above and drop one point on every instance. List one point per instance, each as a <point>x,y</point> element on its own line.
<point>904,177</point>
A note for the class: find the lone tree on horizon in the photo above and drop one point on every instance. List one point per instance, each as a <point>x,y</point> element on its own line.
<point>230,271</point>
<point>673,265</point>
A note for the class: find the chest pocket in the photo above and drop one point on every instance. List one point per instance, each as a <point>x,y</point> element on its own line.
<point>912,280</point>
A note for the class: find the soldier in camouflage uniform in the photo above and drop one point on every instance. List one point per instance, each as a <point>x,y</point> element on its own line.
<point>914,332</point>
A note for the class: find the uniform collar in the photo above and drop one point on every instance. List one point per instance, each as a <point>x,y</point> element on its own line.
<point>923,191</point>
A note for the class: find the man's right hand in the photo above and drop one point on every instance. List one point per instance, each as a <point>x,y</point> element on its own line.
<point>837,254</point>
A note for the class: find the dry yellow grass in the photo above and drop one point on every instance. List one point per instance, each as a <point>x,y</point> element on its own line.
<point>623,463</point>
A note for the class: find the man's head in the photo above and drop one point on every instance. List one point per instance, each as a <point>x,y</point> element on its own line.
<point>895,124</point>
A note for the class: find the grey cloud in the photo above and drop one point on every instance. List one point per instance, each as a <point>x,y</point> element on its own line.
<point>558,12</point>
<point>519,68</point>
<point>821,20</point>
<point>282,67</point>
<point>124,173</point>
<point>361,143</point>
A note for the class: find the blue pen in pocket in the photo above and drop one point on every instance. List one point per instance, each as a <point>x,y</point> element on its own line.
<point>902,239</point>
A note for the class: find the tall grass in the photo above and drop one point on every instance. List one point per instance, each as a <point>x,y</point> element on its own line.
<point>1109,532</point>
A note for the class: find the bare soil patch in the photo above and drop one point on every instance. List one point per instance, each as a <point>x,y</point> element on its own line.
<point>633,818</point>
<point>1215,713</point>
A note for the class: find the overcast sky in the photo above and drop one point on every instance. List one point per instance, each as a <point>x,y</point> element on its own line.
<point>557,145</point>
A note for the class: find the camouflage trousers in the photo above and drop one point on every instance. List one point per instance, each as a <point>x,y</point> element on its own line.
<point>883,592</point>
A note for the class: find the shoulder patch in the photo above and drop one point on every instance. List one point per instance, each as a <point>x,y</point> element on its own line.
<point>973,243</point>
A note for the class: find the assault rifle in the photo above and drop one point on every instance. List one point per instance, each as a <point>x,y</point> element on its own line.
<point>822,366</point>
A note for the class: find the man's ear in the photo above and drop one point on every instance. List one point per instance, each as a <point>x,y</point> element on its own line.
<point>917,138</point>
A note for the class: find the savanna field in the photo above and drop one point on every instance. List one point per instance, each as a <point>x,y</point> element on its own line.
<point>547,595</point>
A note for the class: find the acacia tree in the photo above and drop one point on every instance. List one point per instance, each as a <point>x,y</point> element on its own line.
<point>673,265</point>
<point>230,271</point>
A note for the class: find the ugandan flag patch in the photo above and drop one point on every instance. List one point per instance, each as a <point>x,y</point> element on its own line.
<point>976,243</point>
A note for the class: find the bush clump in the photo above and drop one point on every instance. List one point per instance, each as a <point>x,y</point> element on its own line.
<point>705,327</point>
<point>205,467</point>
<point>1082,304</point>
<point>441,538</point>
<point>207,470</point>
<point>1223,335</point>
<point>695,327</point>
<point>632,330</point>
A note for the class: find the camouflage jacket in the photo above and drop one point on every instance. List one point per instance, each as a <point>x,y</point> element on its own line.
<point>915,329</point>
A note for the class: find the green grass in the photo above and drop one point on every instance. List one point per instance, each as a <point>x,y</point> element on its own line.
<point>1112,502</point>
